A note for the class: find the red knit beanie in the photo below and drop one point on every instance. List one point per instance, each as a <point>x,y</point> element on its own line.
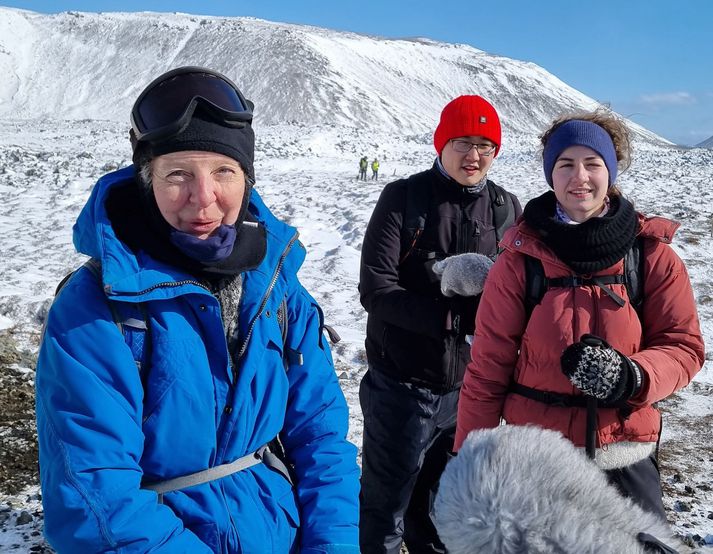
<point>466,116</point>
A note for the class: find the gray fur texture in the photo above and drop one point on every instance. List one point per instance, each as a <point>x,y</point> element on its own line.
<point>463,274</point>
<point>528,490</point>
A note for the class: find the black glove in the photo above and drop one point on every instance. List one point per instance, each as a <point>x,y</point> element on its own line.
<point>598,370</point>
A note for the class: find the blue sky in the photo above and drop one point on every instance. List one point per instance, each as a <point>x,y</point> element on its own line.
<point>652,60</point>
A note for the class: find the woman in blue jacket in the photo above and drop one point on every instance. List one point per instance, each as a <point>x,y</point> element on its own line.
<point>164,373</point>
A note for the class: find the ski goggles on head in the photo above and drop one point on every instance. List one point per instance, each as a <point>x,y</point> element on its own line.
<point>166,105</point>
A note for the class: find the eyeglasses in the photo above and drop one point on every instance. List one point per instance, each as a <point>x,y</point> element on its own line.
<point>465,146</point>
<point>166,105</point>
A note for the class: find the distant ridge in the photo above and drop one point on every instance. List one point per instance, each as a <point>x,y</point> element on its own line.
<point>708,143</point>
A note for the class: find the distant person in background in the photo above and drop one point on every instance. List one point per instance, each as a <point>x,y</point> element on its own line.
<point>375,169</point>
<point>363,165</point>
<point>429,234</point>
<point>615,329</point>
<point>186,396</point>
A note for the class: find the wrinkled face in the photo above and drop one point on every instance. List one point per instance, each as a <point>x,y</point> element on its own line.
<point>580,181</point>
<point>467,168</point>
<point>196,191</point>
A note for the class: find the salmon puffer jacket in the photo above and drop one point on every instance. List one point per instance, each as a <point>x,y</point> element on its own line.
<point>510,348</point>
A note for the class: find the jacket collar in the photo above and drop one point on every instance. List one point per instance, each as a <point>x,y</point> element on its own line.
<point>451,188</point>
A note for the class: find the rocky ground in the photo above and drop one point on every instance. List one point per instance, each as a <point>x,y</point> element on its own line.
<point>18,438</point>
<point>20,512</point>
<point>687,491</point>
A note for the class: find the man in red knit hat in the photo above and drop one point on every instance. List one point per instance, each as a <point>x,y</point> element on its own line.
<point>426,253</point>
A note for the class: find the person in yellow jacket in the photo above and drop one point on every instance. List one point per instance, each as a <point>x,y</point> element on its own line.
<point>375,169</point>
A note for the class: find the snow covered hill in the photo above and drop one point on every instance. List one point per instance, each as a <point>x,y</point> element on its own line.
<point>92,66</point>
<point>323,100</point>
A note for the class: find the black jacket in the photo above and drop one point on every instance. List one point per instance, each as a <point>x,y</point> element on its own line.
<point>414,333</point>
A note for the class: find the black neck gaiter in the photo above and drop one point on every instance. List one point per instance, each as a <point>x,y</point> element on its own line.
<point>590,246</point>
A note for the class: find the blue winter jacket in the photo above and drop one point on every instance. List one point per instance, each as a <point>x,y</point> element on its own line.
<point>102,432</point>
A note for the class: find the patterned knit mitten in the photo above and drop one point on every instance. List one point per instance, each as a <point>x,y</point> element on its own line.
<point>598,370</point>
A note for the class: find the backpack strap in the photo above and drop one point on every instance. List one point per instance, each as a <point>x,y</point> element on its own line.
<point>92,264</point>
<point>503,209</point>
<point>262,455</point>
<point>600,281</point>
<point>634,275</point>
<point>536,283</point>
<point>131,319</point>
<point>334,337</point>
<point>557,399</point>
<point>418,195</point>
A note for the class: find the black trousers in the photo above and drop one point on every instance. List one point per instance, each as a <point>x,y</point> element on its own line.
<point>408,435</point>
<point>642,483</point>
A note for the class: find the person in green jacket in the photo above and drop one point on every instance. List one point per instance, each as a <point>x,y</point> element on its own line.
<point>363,164</point>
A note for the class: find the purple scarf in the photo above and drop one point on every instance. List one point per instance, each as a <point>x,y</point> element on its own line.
<point>215,248</point>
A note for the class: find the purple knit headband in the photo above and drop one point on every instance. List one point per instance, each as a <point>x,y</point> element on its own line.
<point>579,133</point>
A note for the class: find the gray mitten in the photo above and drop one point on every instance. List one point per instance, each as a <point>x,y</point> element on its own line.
<point>463,274</point>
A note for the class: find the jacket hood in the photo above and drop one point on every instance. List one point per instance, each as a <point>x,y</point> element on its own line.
<point>136,276</point>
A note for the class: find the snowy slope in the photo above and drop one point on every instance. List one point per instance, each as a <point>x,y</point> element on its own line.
<point>92,66</point>
<point>324,99</point>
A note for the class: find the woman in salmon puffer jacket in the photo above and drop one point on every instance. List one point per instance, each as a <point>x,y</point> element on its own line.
<point>585,361</point>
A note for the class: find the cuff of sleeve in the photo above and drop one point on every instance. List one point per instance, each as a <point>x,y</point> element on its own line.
<point>637,378</point>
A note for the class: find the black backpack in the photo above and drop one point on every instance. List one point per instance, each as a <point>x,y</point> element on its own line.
<point>417,203</point>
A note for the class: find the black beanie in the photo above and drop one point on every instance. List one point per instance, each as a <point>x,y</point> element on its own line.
<point>205,135</point>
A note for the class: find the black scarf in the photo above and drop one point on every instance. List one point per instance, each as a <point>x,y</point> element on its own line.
<point>590,246</point>
<point>138,223</point>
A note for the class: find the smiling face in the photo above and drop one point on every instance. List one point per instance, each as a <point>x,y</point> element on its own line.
<point>466,169</point>
<point>580,181</point>
<point>196,192</point>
